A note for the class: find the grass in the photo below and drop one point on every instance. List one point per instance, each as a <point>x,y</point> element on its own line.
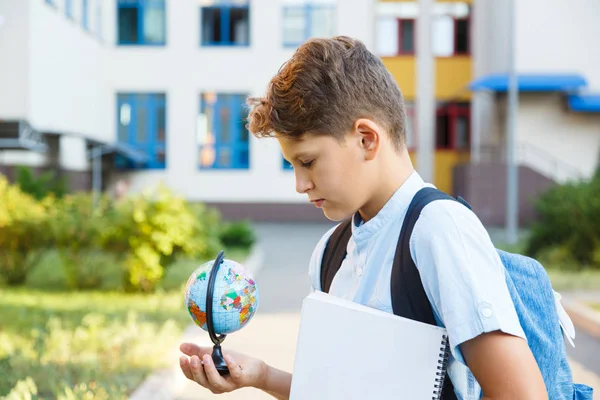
<point>97,344</point>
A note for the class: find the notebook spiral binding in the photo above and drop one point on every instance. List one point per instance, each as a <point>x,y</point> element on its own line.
<point>442,368</point>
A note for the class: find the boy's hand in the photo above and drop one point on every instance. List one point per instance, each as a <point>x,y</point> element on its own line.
<point>243,370</point>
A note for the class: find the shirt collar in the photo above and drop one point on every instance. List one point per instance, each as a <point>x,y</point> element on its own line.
<point>393,208</point>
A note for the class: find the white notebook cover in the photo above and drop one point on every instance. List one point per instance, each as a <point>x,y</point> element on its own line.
<point>349,351</point>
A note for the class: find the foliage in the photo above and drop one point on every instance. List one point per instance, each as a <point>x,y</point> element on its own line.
<point>569,229</point>
<point>151,230</point>
<point>76,225</point>
<point>237,234</point>
<point>43,185</point>
<point>23,234</point>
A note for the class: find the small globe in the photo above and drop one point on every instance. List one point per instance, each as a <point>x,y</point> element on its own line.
<point>235,297</point>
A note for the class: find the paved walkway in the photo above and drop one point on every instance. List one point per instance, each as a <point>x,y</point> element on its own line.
<point>271,335</point>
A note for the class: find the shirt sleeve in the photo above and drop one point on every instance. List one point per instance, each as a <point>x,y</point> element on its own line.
<point>314,267</point>
<point>462,274</point>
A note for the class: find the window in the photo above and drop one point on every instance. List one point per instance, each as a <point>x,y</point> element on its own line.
<point>225,25</point>
<point>452,128</point>
<point>221,131</point>
<point>305,21</point>
<point>69,8</point>
<point>406,36</point>
<point>85,21</point>
<point>461,36</point>
<point>141,119</point>
<point>141,22</point>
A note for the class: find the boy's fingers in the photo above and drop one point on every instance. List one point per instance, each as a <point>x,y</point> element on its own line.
<point>235,371</point>
<point>192,349</point>
<point>197,371</point>
<point>184,364</point>
<point>215,380</point>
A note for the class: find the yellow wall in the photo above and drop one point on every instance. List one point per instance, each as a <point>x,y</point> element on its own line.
<point>444,163</point>
<point>403,69</point>
<point>452,75</point>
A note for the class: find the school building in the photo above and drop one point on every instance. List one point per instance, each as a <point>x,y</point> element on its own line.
<point>129,93</point>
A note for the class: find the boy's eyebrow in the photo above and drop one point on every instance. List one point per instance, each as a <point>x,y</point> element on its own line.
<point>301,154</point>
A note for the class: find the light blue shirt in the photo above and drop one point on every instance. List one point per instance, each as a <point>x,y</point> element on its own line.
<point>461,271</point>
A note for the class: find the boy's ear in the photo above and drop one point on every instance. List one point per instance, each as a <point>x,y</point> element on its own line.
<point>369,135</point>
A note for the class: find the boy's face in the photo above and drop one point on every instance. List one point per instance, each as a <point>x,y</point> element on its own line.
<point>332,174</point>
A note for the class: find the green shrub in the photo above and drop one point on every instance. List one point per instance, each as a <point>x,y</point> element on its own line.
<point>41,186</point>
<point>23,232</point>
<point>569,226</point>
<point>237,234</point>
<point>151,230</point>
<point>77,228</point>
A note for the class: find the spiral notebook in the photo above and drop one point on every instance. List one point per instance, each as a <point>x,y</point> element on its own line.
<point>348,351</point>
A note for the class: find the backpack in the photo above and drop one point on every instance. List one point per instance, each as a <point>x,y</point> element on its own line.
<point>528,283</point>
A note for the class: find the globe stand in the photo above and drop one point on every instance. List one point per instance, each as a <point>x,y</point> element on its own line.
<point>217,355</point>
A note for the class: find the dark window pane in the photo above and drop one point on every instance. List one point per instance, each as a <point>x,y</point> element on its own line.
<point>462,36</point>
<point>407,43</point>
<point>141,126</point>
<point>224,134</point>
<point>442,139</point>
<point>211,25</point>
<point>239,32</point>
<point>243,158</point>
<point>128,25</point>
<point>462,132</point>
<point>160,124</point>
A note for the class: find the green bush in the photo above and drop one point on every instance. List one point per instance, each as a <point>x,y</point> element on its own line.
<point>237,234</point>
<point>151,230</point>
<point>569,226</point>
<point>77,227</point>
<point>23,233</point>
<point>41,186</point>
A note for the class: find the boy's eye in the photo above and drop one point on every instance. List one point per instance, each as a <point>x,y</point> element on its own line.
<point>307,164</point>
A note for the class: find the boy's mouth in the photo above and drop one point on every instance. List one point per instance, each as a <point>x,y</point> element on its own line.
<point>318,202</point>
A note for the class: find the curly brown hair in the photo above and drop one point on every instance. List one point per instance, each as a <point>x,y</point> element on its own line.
<point>324,88</point>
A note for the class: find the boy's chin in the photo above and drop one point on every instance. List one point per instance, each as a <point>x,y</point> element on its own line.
<point>335,215</point>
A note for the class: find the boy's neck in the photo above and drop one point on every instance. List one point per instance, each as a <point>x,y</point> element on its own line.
<point>391,177</point>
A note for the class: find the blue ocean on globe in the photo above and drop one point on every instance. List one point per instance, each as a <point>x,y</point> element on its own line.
<point>235,297</point>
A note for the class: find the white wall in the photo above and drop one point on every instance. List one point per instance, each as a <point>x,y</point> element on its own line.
<point>572,138</point>
<point>14,66</point>
<point>68,91</point>
<point>559,36</point>
<point>183,70</point>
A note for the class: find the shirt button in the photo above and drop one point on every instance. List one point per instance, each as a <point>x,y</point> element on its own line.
<point>485,310</point>
<point>359,271</point>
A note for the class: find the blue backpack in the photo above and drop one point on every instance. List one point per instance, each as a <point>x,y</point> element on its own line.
<point>527,281</point>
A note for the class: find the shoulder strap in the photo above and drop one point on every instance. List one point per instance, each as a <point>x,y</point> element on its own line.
<point>409,299</point>
<point>334,254</point>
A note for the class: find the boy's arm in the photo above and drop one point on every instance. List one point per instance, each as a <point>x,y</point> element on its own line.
<point>278,383</point>
<point>464,280</point>
<point>504,367</point>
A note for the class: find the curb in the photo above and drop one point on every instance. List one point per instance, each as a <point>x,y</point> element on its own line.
<point>583,316</point>
<point>168,383</point>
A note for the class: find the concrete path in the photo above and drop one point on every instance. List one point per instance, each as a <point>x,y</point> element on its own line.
<point>271,335</point>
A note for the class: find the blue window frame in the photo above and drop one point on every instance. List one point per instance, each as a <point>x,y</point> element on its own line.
<point>85,19</point>
<point>221,132</point>
<point>225,25</point>
<point>141,22</point>
<point>286,164</point>
<point>141,123</point>
<point>301,22</point>
<point>50,2</point>
<point>69,8</point>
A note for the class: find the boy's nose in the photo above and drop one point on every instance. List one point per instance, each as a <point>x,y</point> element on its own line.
<point>303,184</point>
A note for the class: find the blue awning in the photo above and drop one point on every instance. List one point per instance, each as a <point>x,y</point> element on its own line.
<point>126,150</point>
<point>530,82</point>
<point>584,102</point>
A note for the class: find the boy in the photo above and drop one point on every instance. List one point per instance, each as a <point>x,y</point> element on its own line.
<point>339,118</point>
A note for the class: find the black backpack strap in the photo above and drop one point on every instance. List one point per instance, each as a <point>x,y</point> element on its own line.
<point>334,253</point>
<point>409,299</point>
